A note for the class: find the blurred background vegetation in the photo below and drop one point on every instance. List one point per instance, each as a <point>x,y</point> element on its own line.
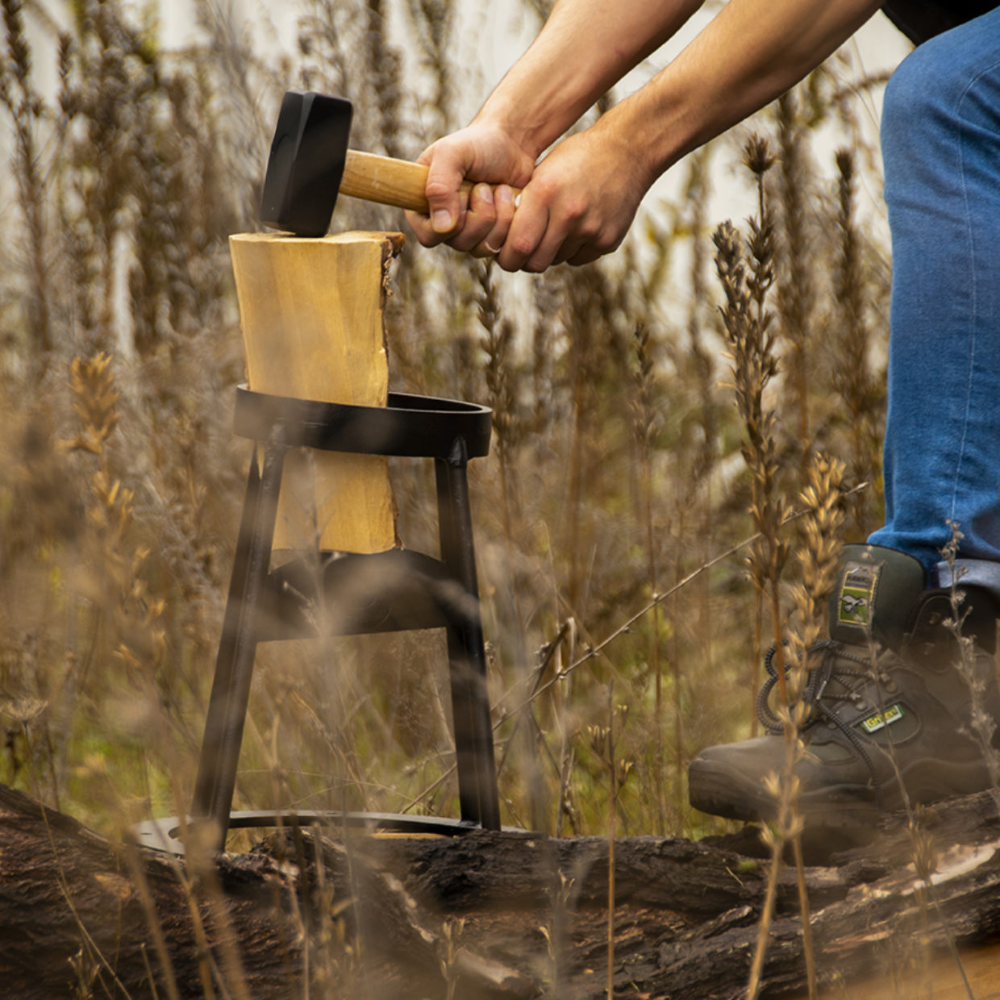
<point>616,474</point>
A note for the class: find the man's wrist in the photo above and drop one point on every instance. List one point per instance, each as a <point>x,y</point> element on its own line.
<point>643,132</point>
<point>515,122</point>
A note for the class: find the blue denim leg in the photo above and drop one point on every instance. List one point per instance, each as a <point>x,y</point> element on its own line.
<point>941,149</point>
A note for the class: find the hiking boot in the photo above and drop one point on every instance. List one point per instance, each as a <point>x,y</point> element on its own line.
<point>891,707</point>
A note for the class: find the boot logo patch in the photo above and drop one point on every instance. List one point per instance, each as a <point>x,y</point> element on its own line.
<point>857,594</point>
<point>882,719</point>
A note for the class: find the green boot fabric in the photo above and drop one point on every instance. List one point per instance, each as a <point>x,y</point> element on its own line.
<point>892,707</point>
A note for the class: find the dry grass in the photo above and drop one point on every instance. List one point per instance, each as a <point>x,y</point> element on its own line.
<point>615,477</point>
<point>612,475</point>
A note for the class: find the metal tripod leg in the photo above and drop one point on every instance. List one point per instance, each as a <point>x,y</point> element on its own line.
<point>227,709</point>
<point>477,786</point>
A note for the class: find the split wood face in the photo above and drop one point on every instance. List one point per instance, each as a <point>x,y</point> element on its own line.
<point>306,163</point>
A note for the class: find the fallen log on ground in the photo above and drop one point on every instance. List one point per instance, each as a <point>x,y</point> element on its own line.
<point>485,914</point>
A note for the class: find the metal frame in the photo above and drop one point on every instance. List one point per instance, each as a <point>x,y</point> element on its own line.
<point>168,833</point>
<point>261,605</point>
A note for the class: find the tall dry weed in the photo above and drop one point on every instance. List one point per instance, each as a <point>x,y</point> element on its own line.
<point>858,382</point>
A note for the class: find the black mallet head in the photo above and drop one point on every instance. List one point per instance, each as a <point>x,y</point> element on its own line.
<point>306,163</point>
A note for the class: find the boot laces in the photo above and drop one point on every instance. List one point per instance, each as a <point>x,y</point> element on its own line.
<point>842,669</point>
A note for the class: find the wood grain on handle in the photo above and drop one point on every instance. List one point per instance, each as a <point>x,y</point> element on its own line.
<point>389,182</point>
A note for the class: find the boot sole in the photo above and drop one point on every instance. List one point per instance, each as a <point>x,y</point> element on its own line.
<point>723,791</point>
<point>719,791</point>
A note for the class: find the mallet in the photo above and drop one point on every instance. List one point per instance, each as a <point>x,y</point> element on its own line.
<point>310,163</point>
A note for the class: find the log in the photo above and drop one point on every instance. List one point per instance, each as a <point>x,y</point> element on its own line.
<point>490,914</point>
<point>311,313</point>
<point>80,916</point>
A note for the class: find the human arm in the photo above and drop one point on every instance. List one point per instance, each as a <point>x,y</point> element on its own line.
<point>584,47</point>
<point>580,200</point>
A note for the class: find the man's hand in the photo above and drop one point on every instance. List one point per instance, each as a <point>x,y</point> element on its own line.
<point>578,205</point>
<point>479,153</point>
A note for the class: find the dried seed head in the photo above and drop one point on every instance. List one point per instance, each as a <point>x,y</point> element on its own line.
<point>757,156</point>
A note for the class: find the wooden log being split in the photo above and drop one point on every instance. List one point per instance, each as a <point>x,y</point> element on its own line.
<point>312,319</point>
<point>490,915</point>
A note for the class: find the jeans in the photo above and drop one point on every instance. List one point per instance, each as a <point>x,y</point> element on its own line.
<point>941,151</point>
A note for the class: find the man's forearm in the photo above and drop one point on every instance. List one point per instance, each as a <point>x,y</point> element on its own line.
<point>585,47</point>
<point>750,53</point>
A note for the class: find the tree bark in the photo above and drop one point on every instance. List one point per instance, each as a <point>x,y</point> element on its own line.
<point>487,914</point>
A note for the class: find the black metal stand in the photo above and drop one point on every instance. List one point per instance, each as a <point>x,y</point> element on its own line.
<point>386,591</point>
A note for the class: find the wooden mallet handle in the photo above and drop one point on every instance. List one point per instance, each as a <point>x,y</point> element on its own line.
<point>310,163</point>
<point>389,182</point>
